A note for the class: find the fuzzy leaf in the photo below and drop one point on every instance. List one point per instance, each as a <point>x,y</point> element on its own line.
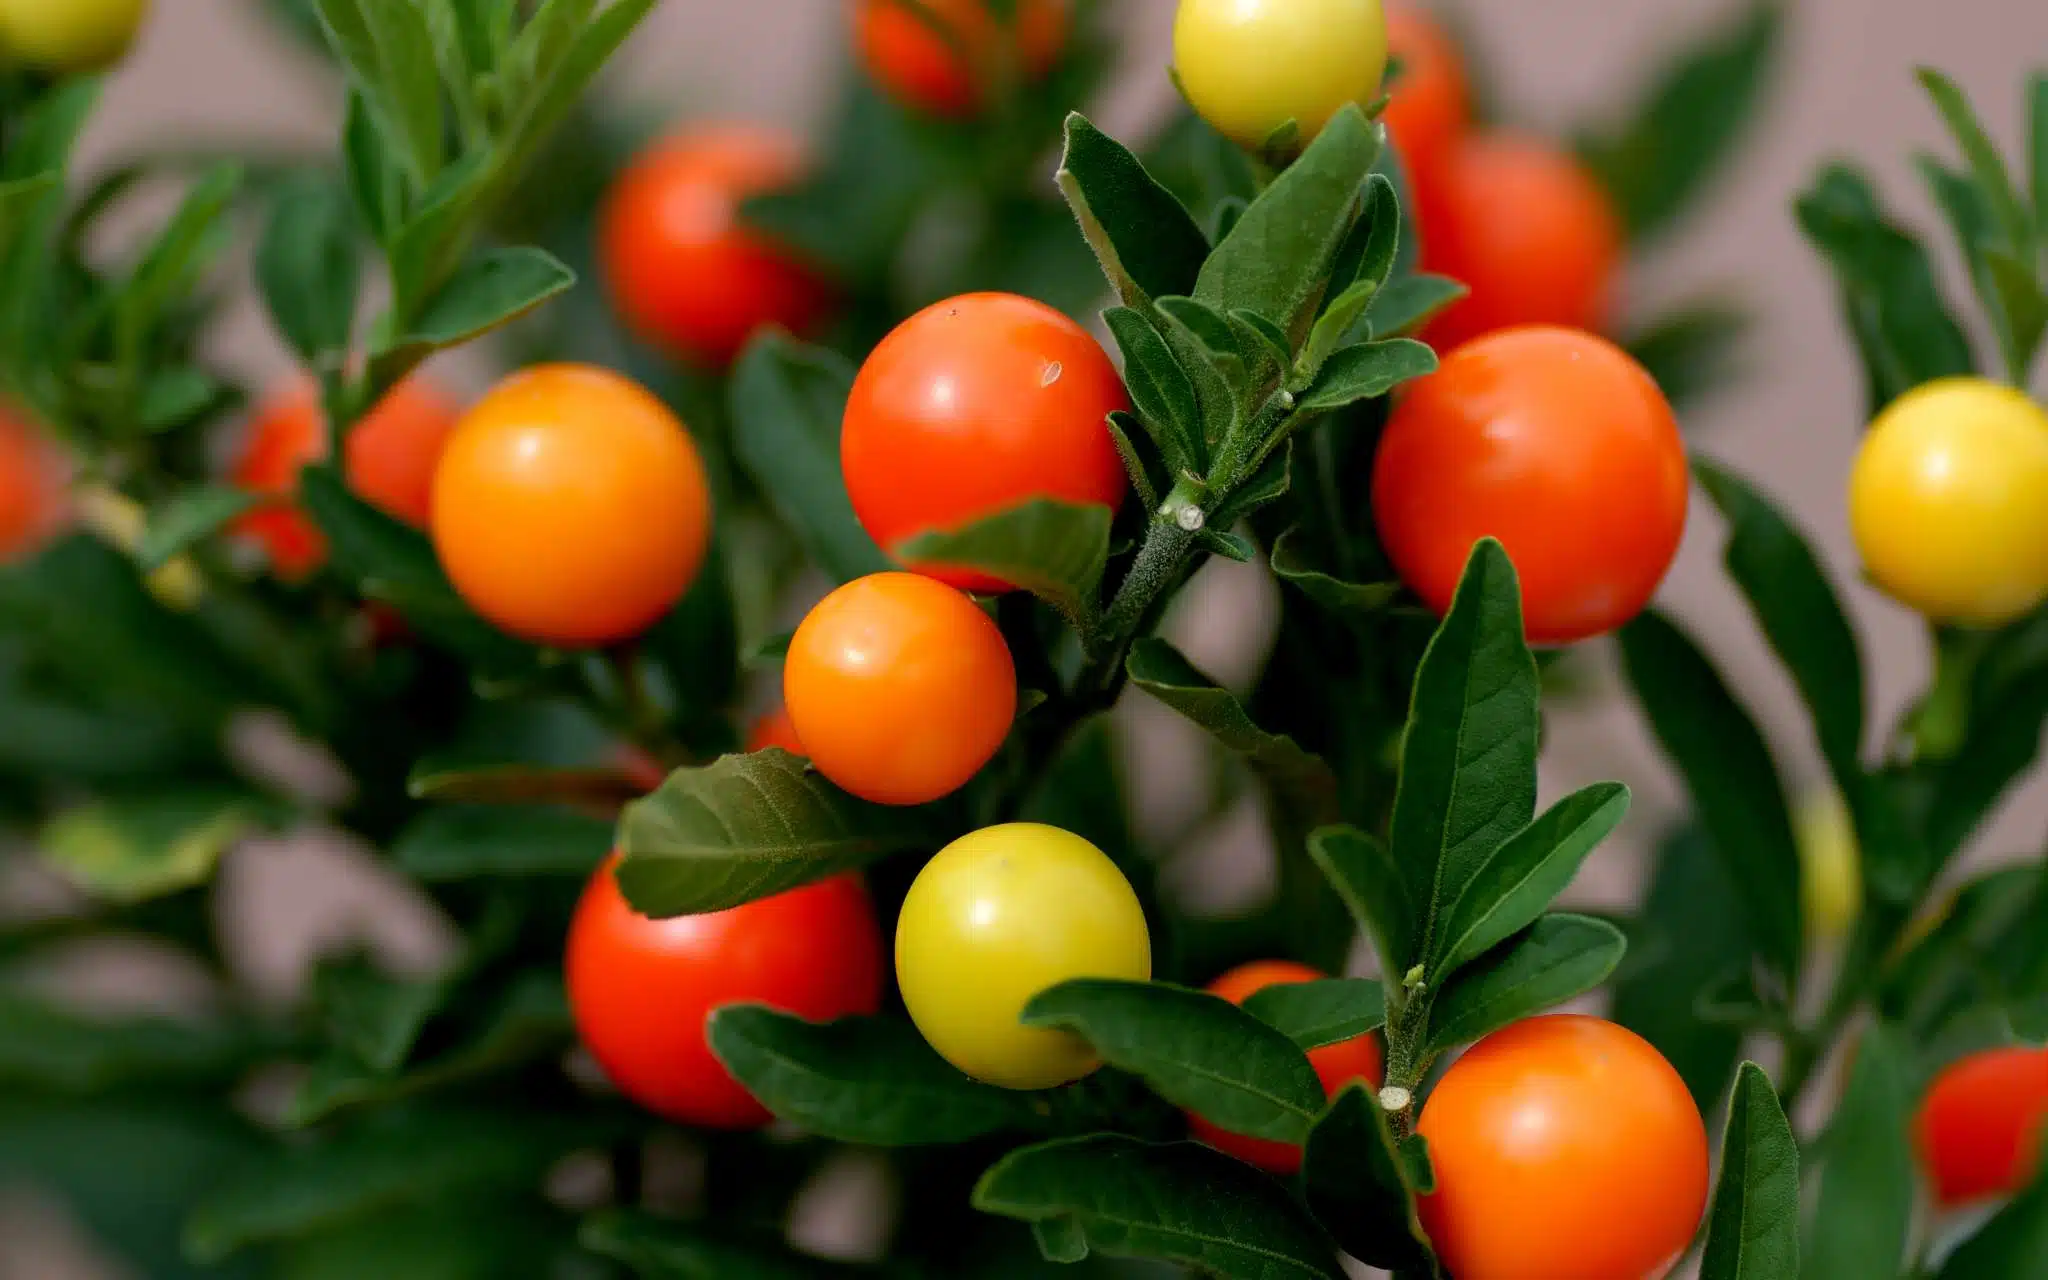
<point>1055,550</point>
<point>1146,242</point>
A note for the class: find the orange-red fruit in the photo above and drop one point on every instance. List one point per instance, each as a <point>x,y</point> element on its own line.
<point>1429,106</point>
<point>973,405</point>
<point>31,487</point>
<point>389,459</point>
<point>1557,443</point>
<point>1528,230</point>
<point>1564,1146</point>
<point>642,990</point>
<point>1979,1128</point>
<point>952,74</point>
<point>1337,1065</point>
<point>571,507</point>
<point>686,273</point>
<point>775,729</point>
<point>899,688</point>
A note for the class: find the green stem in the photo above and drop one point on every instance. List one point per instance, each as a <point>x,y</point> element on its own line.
<point>1168,539</point>
<point>1936,727</point>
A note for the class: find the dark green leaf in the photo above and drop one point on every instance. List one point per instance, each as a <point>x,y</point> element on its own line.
<point>1160,389</point>
<point>1218,379</point>
<point>663,1250</point>
<point>373,1016</point>
<point>1142,465</point>
<point>1313,1014</point>
<point>436,226</point>
<point>1693,351</point>
<point>1557,958</point>
<point>2013,1245</point>
<point>179,396</point>
<point>787,400</point>
<point>1196,1050</point>
<point>747,826</point>
<point>460,781</point>
<point>1263,487</point>
<point>2003,742</point>
<point>493,289</point>
<point>1144,238</point>
<point>1254,331</point>
<point>406,78</point>
<point>2037,147</point>
<point>1291,565</point>
<point>1730,774</point>
<point>1408,302</point>
<point>1369,251</point>
<point>189,518</point>
<point>1180,1203</point>
<point>374,180</point>
<point>1364,372</point>
<point>1363,872</point>
<point>1753,1223</point>
<point>309,266</point>
<point>1986,166</point>
<point>1866,1190</point>
<point>697,643</point>
<point>130,848</point>
<point>1054,550</point>
<point>1362,1186</point>
<point>472,1239</point>
<point>2007,288</point>
<point>872,1081</point>
<point>176,257</point>
<point>591,42</point>
<point>47,1048</point>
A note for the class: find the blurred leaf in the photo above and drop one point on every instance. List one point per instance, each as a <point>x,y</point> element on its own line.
<point>2004,741</point>
<point>787,401</point>
<point>495,841</point>
<point>180,252</point>
<point>697,642</point>
<point>871,1081</point>
<point>1182,1203</point>
<point>1361,1184</point>
<point>1409,301</point>
<point>2037,148</point>
<point>662,1250</point>
<point>374,180</point>
<point>180,396</point>
<point>2008,290</point>
<point>310,266</point>
<point>1693,351</point>
<point>491,290</point>
<point>51,1049</point>
<point>1146,242</point>
<point>1365,372</point>
<point>2013,1245</point>
<point>187,519</point>
<point>747,826</point>
<point>478,1239</point>
<point>459,781</point>
<point>1867,1188</point>
<point>130,848</point>
<point>372,1015</point>
<point>1196,1050</point>
<point>1055,550</point>
<point>390,51</point>
<point>1314,1014</point>
<point>1555,959</point>
<point>1753,1223</point>
<point>1986,167</point>
<point>1731,776</point>
<point>1362,870</point>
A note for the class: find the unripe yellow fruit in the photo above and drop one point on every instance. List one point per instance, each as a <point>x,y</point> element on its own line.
<point>1831,879</point>
<point>1250,66</point>
<point>1948,501</point>
<point>68,36</point>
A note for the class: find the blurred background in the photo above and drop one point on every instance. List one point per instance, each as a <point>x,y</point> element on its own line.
<point>218,71</point>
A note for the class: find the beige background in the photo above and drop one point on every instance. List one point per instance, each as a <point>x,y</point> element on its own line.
<point>213,69</point>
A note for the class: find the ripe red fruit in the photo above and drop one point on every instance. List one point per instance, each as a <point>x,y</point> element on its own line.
<point>1979,1128</point>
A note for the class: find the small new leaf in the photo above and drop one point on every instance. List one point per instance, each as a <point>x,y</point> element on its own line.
<point>1291,564</point>
<point>494,289</point>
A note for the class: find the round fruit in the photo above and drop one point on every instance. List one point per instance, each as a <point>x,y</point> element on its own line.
<point>571,507</point>
<point>1337,1065</point>
<point>998,917</point>
<point>389,460</point>
<point>1429,104</point>
<point>975,404</point>
<point>1563,1146</point>
<point>899,688</point>
<point>31,487</point>
<point>1979,1128</point>
<point>775,729</point>
<point>1557,443</point>
<point>682,268</point>
<point>1831,876</point>
<point>1250,66</point>
<point>1527,229</point>
<point>641,990</point>
<point>951,73</point>
<point>1948,500</point>
<point>69,36</point>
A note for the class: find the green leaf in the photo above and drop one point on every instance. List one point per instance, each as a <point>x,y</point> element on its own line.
<point>509,1234</point>
<point>1409,302</point>
<point>1255,331</point>
<point>50,1049</point>
<point>662,1250</point>
<point>1144,238</point>
<point>1218,379</point>
<point>1692,351</point>
<point>787,402</point>
<point>871,1081</point>
<point>1729,773</point>
<point>1160,390</point>
<point>1688,124</point>
<point>1179,1203</point>
<point>2037,148</point>
<point>428,243</point>
<point>561,80</point>
<point>1753,1223</point>
<point>1302,778</point>
<point>375,182</point>
<point>373,1016</point>
<point>1055,550</point>
<point>1986,166</point>
<point>1142,466</point>
<point>407,78</point>
<point>187,519</point>
<point>2013,1245</point>
<point>1276,260</point>
<point>1198,1051</point>
<point>1555,959</point>
<point>1291,564</point>
<point>180,252</point>
<point>1362,870</point>
<point>1468,759</point>
<point>461,781</point>
<point>1372,247</point>
<point>1517,881</point>
<point>132,848</point>
<point>179,397</point>
<point>310,267</point>
<point>1365,372</point>
<point>1362,1185</point>
<point>2010,295</point>
<point>492,290</point>
<point>1313,1014</point>
<point>1867,1188</point>
<point>747,826</point>
<point>2004,741</point>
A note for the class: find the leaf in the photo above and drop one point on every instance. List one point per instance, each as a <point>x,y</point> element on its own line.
<point>465,782</point>
<point>179,396</point>
<point>1753,1223</point>
<point>50,1049</point>
<point>871,1081</point>
<point>1160,389</point>
<point>1314,1014</point>
<point>180,251</point>
<point>374,180</point>
<point>1141,466</point>
<point>1291,564</point>
<point>407,79</point>
<point>1988,169</point>
<point>1365,372</point>
<point>2037,147</point>
<point>2007,289</point>
<point>1555,959</point>
<point>2004,741</point>
<point>1867,1188</point>
<point>2013,1245</point>
<point>1164,672</point>
<point>1468,759</point>
<point>1276,260</point>
<point>591,42</point>
<point>1362,870</point>
<point>1179,1203</point>
<point>1370,249</point>
<point>1198,1051</point>
<point>1362,1186</point>
<point>1731,776</point>
<point>1144,238</point>
<point>375,1017</point>
<point>1409,302</point>
<point>187,519</point>
<point>748,826</point>
<point>310,267</point>
<point>787,401</point>
<point>1217,379</point>
<point>492,290</point>
<point>1693,351</point>
<point>1517,881</point>
<point>140,846</point>
<point>662,1250</point>
<point>1688,123</point>
<point>1254,331</point>
<point>1055,550</point>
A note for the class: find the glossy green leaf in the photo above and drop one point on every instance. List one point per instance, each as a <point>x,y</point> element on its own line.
<point>1866,1190</point>
<point>187,519</point>
<point>1753,1222</point>
<point>1730,774</point>
<point>1055,550</point>
<point>1180,1203</point>
<point>1362,870</point>
<point>1146,242</point>
<point>1362,1185</point>
<point>309,265</point>
<point>872,1081</point>
<point>1410,301</point>
<point>747,826</point>
<point>1557,958</point>
<point>1364,372</point>
<point>1313,1014</point>
<point>130,848</point>
<point>659,1249</point>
